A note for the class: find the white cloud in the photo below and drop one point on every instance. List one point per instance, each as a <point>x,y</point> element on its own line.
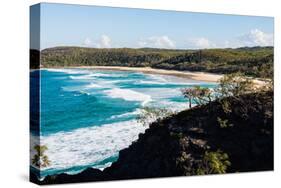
<point>87,42</point>
<point>201,43</point>
<point>157,42</point>
<point>256,37</point>
<point>103,42</point>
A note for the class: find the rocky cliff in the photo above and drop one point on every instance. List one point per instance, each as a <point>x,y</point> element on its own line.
<point>226,136</point>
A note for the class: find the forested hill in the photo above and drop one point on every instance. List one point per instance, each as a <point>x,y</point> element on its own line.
<point>254,61</point>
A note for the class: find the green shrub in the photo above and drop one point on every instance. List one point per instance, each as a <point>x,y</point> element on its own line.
<point>40,159</point>
<point>223,123</point>
<point>234,85</point>
<point>226,106</point>
<point>214,163</point>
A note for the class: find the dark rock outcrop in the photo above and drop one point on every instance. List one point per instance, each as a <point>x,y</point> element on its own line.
<point>176,145</point>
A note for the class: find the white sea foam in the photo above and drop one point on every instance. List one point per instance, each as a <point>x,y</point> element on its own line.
<point>85,93</point>
<point>150,82</point>
<point>109,74</point>
<point>93,85</point>
<point>100,75</point>
<point>128,95</point>
<point>160,93</point>
<point>90,145</point>
<point>94,75</point>
<point>69,71</point>
<point>171,80</point>
<point>128,114</point>
<point>84,77</point>
<point>156,77</point>
<point>77,89</point>
<point>173,106</point>
<point>166,82</point>
<point>88,88</point>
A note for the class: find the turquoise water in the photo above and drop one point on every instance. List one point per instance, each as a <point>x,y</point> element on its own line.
<point>87,116</point>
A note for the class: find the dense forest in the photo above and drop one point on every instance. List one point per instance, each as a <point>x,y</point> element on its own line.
<point>254,61</point>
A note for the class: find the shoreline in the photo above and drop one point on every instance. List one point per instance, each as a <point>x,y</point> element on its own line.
<point>199,76</point>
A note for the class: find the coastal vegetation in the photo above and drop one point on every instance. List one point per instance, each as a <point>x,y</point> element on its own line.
<point>214,163</point>
<point>197,94</point>
<point>234,85</point>
<point>151,114</point>
<point>252,61</point>
<point>40,159</point>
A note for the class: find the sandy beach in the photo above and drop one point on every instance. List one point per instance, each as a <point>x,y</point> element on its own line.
<point>200,76</point>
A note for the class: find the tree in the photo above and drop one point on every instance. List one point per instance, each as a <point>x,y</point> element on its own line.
<point>151,114</point>
<point>197,94</point>
<point>188,93</point>
<point>40,159</point>
<point>234,85</point>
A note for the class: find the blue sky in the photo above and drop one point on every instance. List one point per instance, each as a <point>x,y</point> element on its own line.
<point>105,27</point>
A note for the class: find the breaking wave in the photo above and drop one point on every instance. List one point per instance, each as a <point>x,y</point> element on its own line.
<point>89,145</point>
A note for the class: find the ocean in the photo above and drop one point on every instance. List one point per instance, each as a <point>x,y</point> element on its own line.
<point>88,116</point>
